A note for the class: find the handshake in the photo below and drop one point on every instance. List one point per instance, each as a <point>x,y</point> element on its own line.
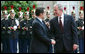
<point>53,41</point>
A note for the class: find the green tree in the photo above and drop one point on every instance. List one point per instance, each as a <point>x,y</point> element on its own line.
<point>17,4</point>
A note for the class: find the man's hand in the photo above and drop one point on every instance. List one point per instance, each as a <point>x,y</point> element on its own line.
<point>75,46</point>
<point>53,41</point>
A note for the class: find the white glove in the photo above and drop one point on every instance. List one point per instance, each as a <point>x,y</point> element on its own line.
<point>15,27</point>
<point>83,28</point>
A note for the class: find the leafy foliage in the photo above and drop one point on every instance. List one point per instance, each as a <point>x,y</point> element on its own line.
<point>17,4</point>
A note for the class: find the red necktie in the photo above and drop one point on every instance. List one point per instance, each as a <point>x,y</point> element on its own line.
<point>60,24</point>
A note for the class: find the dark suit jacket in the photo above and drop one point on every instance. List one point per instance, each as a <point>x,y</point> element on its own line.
<point>40,41</point>
<point>68,37</point>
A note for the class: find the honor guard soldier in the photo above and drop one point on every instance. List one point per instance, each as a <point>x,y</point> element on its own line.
<point>24,41</point>
<point>48,25</point>
<point>4,31</point>
<point>74,16</point>
<point>33,14</point>
<point>80,27</point>
<point>20,14</point>
<point>20,18</point>
<point>48,17</point>
<point>32,19</point>
<point>14,23</point>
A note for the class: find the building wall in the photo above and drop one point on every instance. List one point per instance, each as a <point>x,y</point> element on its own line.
<point>67,4</point>
<point>45,4</point>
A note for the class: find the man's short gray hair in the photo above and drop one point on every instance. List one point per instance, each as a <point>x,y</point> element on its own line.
<point>60,7</point>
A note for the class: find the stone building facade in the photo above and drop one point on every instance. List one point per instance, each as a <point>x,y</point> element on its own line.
<point>68,4</point>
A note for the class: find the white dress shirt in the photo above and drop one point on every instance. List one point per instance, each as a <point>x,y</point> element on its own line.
<point>39,19</point>
<point>62,19</point>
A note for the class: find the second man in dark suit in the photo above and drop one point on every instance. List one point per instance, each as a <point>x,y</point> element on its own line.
<point>40,41</point>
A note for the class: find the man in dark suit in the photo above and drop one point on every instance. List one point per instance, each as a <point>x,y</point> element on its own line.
<point>64,29</point>
<point>40,41</point>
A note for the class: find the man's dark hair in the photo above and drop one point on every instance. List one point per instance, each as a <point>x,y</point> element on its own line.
<point>39,10</point>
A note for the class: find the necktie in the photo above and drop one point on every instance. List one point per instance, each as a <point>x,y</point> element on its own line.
<point>43,23</point>
<point>60,24</point>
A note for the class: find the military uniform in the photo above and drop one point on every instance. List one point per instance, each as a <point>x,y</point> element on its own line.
<point>21,41</point>
<point>24,37</point>
<point>33,16</point>
<point>80,26</point>
<point>14,23</point>
<point>48,26</point>
<point>80,23</point>
<point>13,36</point>
<point>4,33</point>
<point>31,20</point>
<point>5,36</point>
